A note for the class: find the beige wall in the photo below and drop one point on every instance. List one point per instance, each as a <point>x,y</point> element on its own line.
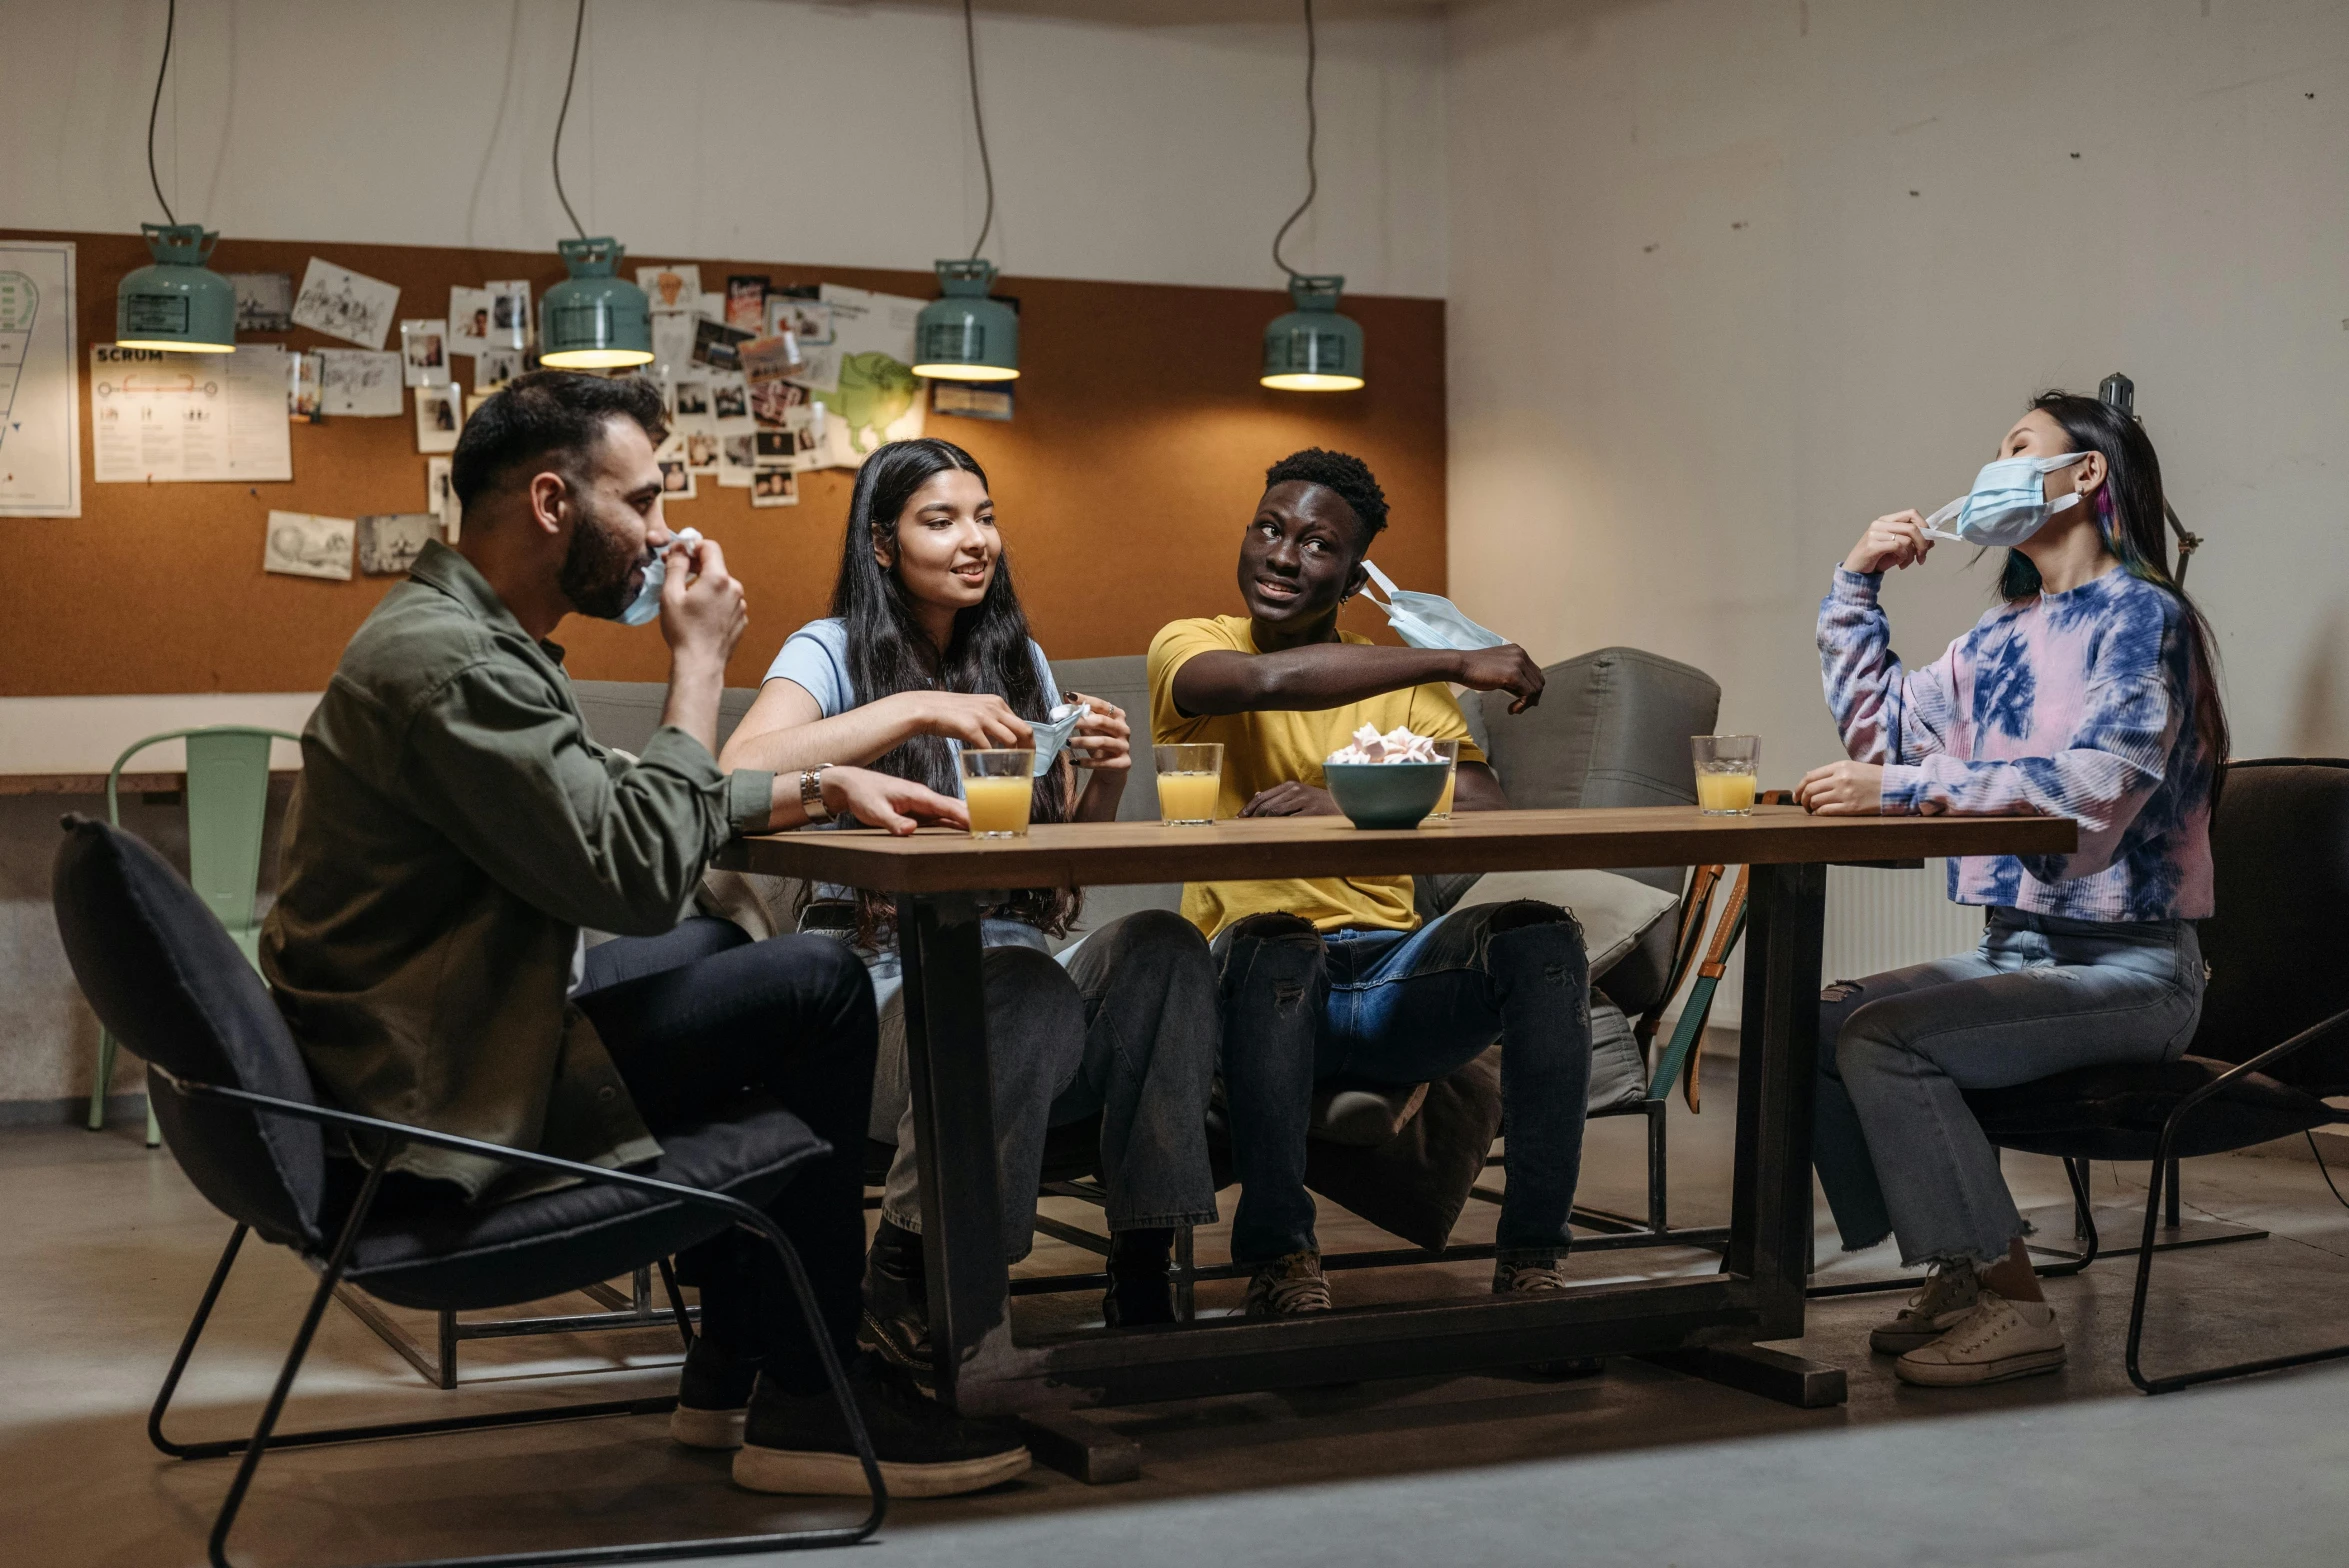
<point>1701,330</point>
<point>1128,146</point>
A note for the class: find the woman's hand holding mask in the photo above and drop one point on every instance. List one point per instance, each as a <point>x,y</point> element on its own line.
<point>977,719</point>
<point>1897,540</point>
<point>1102,741</point>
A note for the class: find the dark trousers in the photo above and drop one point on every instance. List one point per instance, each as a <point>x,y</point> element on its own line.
<point>1391,1008</point>
<point>700,1015</point>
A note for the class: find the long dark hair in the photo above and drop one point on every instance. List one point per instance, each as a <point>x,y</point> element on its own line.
<point>889,652</point>
<point>2129,517</point>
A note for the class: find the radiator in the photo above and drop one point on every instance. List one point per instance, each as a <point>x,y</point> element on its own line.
<point>1876,920</point>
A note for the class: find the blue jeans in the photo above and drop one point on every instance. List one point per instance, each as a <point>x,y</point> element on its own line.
<point>1897,1150</point>
<point>1395,1008</point>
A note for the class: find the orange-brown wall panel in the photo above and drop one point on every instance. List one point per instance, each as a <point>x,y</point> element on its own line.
<point>1136,456</point>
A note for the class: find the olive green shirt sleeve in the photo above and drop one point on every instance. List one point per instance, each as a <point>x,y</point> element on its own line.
<point>496,762</point>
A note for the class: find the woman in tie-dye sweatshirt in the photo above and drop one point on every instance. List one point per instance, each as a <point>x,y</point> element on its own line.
<point>2088,693</point>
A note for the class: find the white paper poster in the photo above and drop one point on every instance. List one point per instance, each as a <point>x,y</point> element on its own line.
<point>40,415</point>
<point>359,383</point>
<point>864,376</point>
<point>159,417</point>
<point>346,304</point>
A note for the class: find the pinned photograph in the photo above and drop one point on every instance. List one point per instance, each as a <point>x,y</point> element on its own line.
<point>509,314</point>
<point>771,402</point>
<point>701,451</point>
<point>440,414</point>
<point>440,497</point>
<point>300,545</point>
<point>468,321</point>
<point>360,383</point>
<point>265,301</point>
<point>494,367</point>
<point>774,487</point>
<point>671,288</point>
<point>809,320</point>
<point>965,401</point>
<point>775,448</point>
<point>424,352</point>
<point>738,461</point>
<point>672,341</point>
<point>346,304</point>
<point>304,400</point>
<point>717,345</point>
<point>730,404</point>
<point>389,542</point>
<point>676,480</point>
<point>692,401</point>
<point>746,303</point>
<point>772,358</point>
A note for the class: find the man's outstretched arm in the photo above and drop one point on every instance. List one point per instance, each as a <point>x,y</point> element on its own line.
<point>1331,674</point>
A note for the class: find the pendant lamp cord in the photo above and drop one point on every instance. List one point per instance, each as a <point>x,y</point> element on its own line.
<point>170,19</point>
<point>970,52</point>
<point>578,26</point>
<point>1312,135</point>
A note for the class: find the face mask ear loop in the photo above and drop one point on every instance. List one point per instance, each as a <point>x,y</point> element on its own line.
<point>1385,582</point>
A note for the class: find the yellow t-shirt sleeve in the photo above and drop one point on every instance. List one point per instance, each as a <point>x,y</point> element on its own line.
<point>1177,644</point>
<point>1435,715</point>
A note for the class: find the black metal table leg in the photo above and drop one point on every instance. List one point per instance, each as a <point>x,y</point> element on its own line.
<point>954,1140</point>
<point>1770,1219</point>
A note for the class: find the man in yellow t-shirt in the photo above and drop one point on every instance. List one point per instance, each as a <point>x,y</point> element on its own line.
<point>1336,977</point>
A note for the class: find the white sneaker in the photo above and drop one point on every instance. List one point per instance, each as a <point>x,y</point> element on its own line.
<point>1951,1291</point>
<point>1998,1340</point>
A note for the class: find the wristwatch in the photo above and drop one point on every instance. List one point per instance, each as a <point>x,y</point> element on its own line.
<point>811,794</point>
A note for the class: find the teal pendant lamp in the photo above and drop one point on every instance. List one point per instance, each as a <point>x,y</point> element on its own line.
<point>176,303</point>
<point>964,334</point>
<point>1310,347</point>
<point>594,319</point>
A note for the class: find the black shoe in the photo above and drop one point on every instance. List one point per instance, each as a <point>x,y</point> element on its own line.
<point>1139,1295</point>
<point>799,1442</point>
<point>712,1395</point>
<point>896,1321</point>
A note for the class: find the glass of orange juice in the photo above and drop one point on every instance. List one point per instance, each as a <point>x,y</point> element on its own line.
<point>1449,750</point>
<point>1726,767</point>
<point>1190,777</point>
<point>998,786</point>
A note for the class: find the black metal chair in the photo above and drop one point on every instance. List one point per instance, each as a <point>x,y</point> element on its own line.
<point>2274,1036</point>
<point>239,1114</point>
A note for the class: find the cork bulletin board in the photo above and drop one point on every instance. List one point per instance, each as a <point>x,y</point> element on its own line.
<point>1135,457</point>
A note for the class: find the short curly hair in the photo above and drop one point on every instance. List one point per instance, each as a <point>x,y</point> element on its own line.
<point>555,417</point>
<point>1342,472</point>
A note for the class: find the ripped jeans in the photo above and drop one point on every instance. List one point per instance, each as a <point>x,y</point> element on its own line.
<point>1393,1008</point>
<point>1897,1150</point>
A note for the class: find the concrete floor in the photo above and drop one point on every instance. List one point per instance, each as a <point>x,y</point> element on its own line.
<point>1637,1466</point>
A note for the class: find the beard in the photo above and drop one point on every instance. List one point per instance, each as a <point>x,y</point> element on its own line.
<point>597,568</point>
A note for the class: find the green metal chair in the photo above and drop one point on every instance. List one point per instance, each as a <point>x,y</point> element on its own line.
<point>227,799</point>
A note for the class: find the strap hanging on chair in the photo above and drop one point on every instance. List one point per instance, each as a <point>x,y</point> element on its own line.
<point>1680,1058</point>
<point>1695,904</point>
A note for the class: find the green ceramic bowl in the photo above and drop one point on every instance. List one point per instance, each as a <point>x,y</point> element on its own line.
<point>1386,794</point>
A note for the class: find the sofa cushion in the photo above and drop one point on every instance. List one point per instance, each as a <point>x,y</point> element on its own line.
<point>1615,912</point>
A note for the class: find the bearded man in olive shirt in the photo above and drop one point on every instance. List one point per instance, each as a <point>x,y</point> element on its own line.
<point>454,830</point>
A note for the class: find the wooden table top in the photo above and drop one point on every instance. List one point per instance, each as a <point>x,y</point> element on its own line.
<point>1104,854</point>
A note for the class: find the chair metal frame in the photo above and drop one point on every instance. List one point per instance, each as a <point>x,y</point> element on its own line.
<point>2162,1159</point>
<point>386,1138</point>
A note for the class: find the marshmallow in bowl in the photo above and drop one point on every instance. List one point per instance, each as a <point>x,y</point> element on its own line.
<point>1396,745</point>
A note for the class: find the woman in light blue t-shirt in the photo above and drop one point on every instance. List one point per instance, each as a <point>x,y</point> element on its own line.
<point>927,644</point>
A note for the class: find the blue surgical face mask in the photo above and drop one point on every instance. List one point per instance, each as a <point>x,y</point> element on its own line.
<point>647,602</point>
<point>1428,620</point>
<point>2007,505</point>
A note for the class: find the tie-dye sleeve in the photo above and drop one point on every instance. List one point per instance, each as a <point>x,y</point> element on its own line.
<point>2111,764</point>
<point>1884,713</point>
